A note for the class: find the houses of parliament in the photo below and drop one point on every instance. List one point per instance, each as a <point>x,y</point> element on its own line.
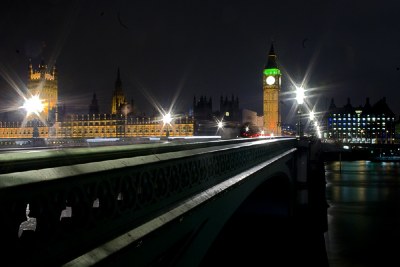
<point>54,122</point>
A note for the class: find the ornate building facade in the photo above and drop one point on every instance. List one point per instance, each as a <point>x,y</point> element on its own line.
<point>271,91</point>
<point>118,100</point>
<point>44,83</point>
<point>117,124</point>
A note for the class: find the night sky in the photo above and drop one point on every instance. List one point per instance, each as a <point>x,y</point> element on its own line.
<point>175,50</point>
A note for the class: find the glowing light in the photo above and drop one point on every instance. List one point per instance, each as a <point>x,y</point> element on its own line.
<point>272,71</point>
<point>247,128</point>
<point>262,132</point>
<point>300,95</point>
<point>220,125</point>
<point>312,115</point>
<point>33,105</point>
<point>167,118</point>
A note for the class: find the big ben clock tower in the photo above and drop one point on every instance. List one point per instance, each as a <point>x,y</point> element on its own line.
<point>271,89</point>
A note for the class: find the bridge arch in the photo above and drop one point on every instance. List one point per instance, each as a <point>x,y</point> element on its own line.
<point>259,225</point>
<point>233,212</point>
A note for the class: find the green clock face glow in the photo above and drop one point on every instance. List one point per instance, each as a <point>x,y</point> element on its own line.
<point>268,72</point>
<point>270,80</point>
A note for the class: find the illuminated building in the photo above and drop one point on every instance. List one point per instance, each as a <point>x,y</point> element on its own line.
<point>44,83</point>
<point>121,122</point>
<point>118,100</point>
<point>271,90</point>
<point>364,124</point>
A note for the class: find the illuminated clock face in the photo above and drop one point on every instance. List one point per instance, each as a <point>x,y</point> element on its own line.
<point>270,80</point>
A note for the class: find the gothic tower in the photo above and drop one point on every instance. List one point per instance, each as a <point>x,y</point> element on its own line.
<point>94,106</point>
<point>44,83</point>
<point>118,100</point>
<point>271,89</point>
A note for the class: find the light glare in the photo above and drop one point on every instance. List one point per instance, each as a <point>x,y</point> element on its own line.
<point>33,105</point>
<point>167,118</point>
<point>300,95</point>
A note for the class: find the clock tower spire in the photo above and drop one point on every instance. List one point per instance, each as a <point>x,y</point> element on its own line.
<point>271,90</point>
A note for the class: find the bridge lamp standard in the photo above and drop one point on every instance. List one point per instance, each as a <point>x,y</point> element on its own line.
<point>300,101</point>
<point>167,119</point>
<point>33,105</point>
<point>312,122</point>
<point>312,115</point>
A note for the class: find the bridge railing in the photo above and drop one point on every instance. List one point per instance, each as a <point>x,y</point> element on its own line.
<point>73,207</point>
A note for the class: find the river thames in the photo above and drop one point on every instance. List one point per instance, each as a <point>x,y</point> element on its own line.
<point>363,213</point>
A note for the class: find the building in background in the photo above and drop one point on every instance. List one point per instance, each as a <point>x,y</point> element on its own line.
<point>374,124</point>
<point>271,91</point>
<point>250,117</point>
<point>55,122</point>
<point>43,83</point>
<point>206,121</point>
<point>229,109</point>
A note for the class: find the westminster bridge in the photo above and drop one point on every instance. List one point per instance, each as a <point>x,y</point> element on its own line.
<point>149,204</point>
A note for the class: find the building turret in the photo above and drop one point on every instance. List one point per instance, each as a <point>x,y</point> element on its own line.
<point>30,69</point>
<point>118,100</point>
<point>94,106</point>
<point>43,83</point>
<point>55,72</point>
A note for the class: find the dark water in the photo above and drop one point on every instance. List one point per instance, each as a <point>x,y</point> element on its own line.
<point>261,233</point>
<point>364,213</point>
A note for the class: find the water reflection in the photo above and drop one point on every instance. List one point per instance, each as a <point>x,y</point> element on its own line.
<point>363,218</point>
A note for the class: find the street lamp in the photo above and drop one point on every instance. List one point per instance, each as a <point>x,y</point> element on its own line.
<point>312,115</point>
<point>300,102</point>
<point>313,124</point>
<point>167,118</point>
<point>34,105</point>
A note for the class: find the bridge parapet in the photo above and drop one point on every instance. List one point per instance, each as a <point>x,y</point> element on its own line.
<point>77,206</point>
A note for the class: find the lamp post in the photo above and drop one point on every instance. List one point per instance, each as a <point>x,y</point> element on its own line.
<point>35,106</point>
<point>313,124</point>
<point>300,102</point>
<point>167,118</point>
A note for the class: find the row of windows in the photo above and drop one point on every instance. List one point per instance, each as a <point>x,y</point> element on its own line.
<point>354,129</point>
<point>63,131</point>
<point>368,119</point>
<point>357,124</point>
<point>349,115</point>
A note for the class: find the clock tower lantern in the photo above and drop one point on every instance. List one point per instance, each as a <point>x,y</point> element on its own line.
<point>271,90</point>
